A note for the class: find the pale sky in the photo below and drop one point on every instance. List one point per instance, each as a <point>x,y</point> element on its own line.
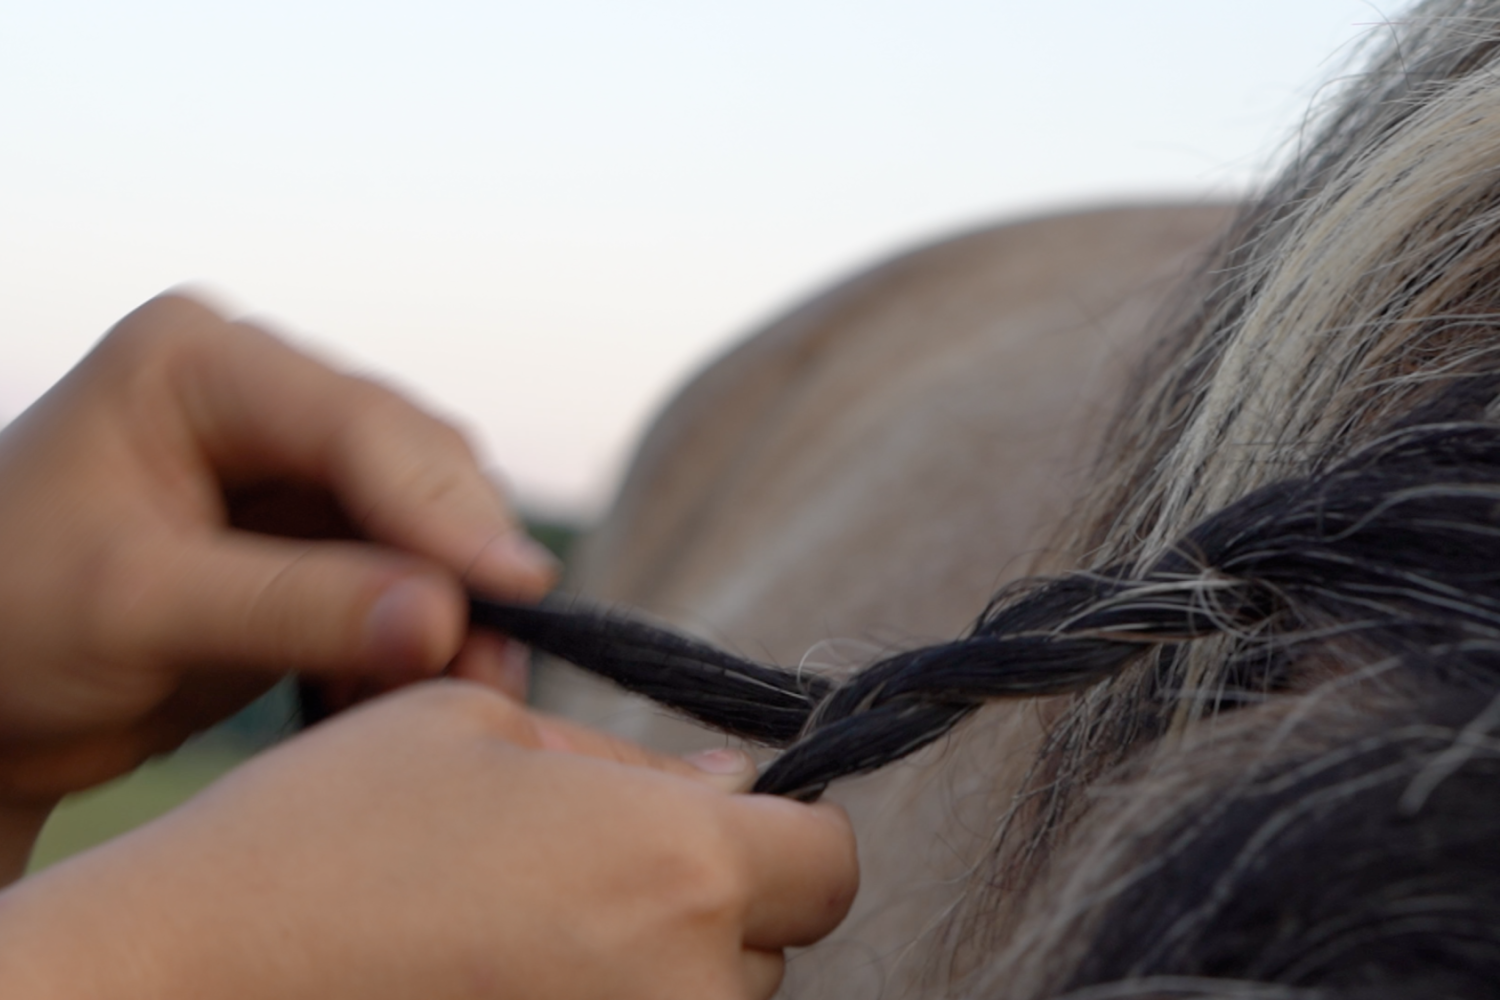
<point>540,217</point>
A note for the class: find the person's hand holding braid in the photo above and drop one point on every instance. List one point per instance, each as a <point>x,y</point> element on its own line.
<point>134,610</point>
<point>196,510</point>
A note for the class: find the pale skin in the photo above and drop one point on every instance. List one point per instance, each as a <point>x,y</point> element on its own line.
<point>198,509</point>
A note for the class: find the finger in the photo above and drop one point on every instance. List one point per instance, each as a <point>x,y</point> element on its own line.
<point>764,971</point>
<point>804,868</point>
<point>281,604</point>
<point>728,769</point>
<point>259,408</point>
<point>494,661</point>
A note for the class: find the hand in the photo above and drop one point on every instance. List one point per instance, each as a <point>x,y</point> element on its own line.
<point>197,509</point>
<point>428,844</point>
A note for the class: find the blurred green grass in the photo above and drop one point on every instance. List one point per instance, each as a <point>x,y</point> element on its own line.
<point>557,535</point>
<point>92,817</point>
<point>102,813</point>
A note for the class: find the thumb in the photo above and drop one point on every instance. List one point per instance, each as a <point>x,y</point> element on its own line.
<point>284,604</point>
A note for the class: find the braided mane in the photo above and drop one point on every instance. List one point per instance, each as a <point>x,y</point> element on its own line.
<point>1396,546</point>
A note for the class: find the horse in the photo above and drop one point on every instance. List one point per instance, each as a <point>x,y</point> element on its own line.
<point>1128,574</point>
<point>819,481</point>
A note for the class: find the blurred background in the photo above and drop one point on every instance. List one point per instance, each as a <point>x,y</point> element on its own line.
<point>539,218</point>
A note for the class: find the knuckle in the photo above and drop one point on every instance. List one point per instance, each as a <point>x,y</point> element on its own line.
<point>438,454</point>
<point>166,321</point>
<point>288,627</point>
<point>433,486</point>
<point>449,437</point>
<point>172,340</point>
<point>374,397</point>
<point>463,706</point>
<point>706,877</point>
<point>115,607</point>
<point>435,435</point>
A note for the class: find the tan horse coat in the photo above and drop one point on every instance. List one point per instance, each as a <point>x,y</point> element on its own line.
<point>864,473</point>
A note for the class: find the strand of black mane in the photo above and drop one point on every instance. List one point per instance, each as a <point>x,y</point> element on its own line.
<point>761,703</point>
<point>1379,543</point>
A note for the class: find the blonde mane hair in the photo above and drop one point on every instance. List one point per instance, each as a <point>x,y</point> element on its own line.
<point>1360,292</point>
<point>1362,281</point>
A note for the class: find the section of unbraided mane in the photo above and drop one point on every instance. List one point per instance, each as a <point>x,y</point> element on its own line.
<point>1397,544</point>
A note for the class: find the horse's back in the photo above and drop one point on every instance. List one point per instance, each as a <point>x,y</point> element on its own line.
<point>870,468</point>
<point>873,465</point>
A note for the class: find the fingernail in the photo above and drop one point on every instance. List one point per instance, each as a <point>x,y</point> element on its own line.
<point>724,760</point>
<point>515,670</point>
<point>396,626</point>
